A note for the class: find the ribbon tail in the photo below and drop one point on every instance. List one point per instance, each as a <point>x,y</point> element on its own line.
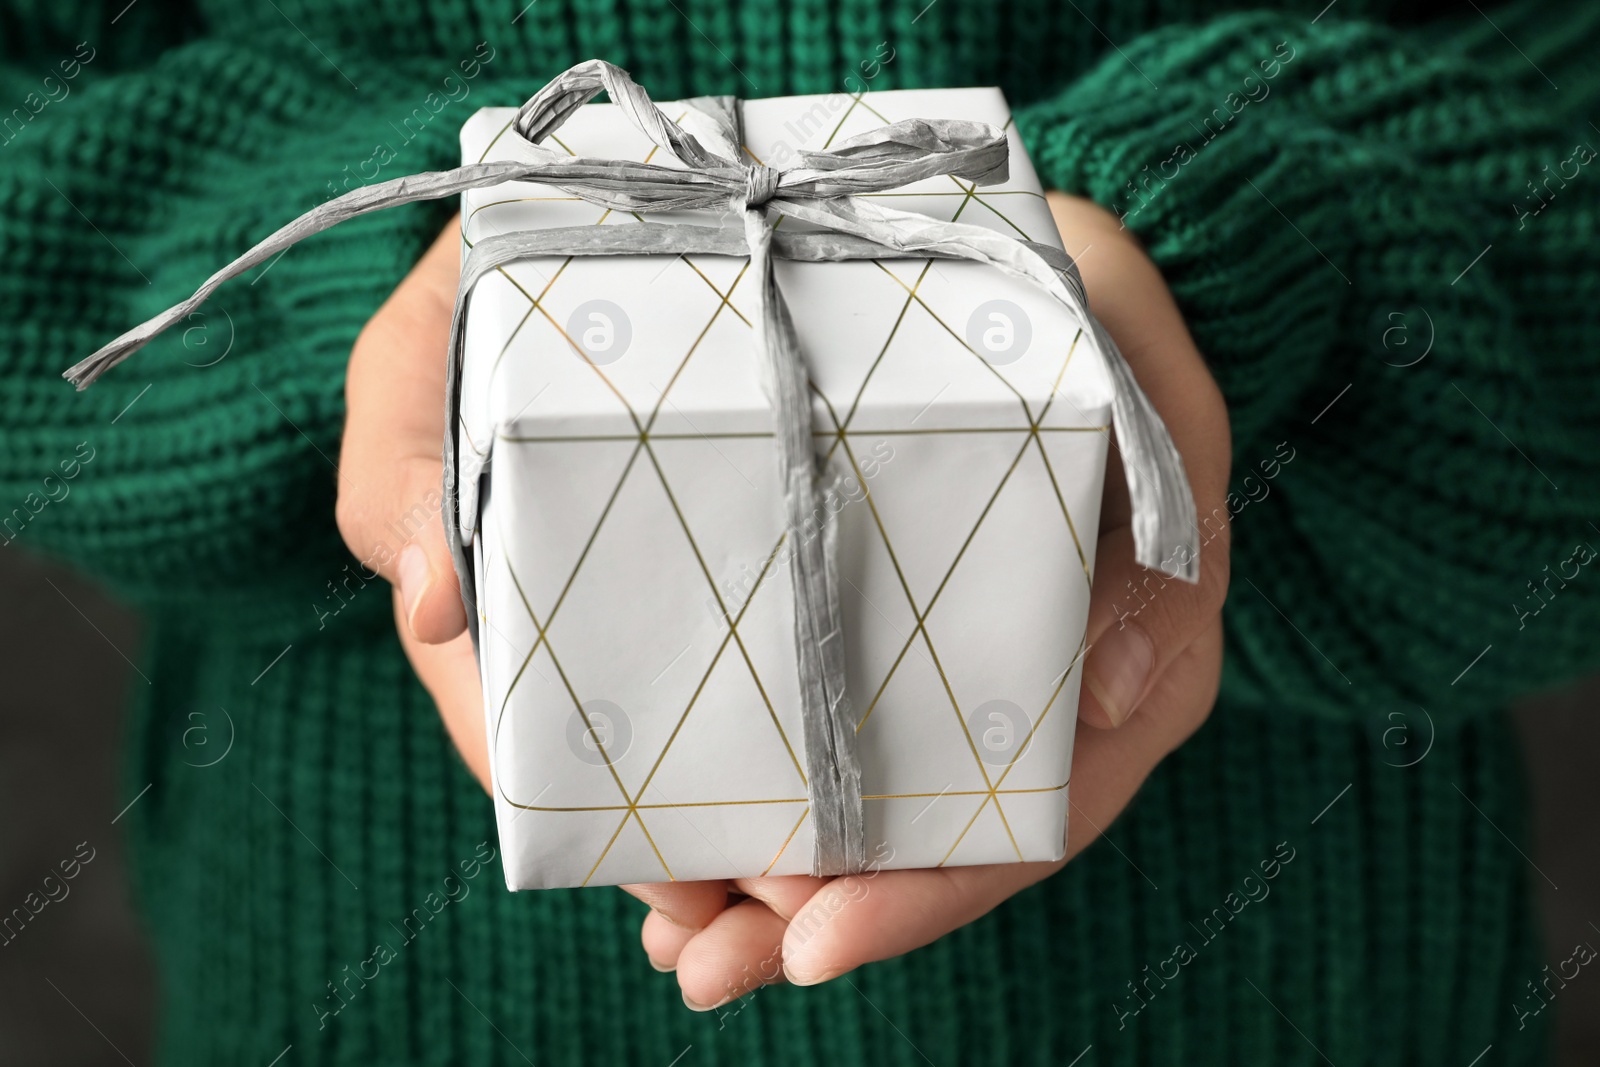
<point>1165,528</point>
<point>833,771</point>
<point>1165,534</point>
<point>433,185</point>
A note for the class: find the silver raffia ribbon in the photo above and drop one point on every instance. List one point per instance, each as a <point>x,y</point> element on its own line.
<point>822,191</point>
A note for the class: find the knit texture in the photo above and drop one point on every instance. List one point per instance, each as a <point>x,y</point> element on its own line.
<point>1401,532</point>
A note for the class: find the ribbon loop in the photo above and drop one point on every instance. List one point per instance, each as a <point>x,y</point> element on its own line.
<point>825,192</point>
<point>551,106</point>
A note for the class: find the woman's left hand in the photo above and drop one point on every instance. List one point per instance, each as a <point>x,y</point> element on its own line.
<point>1151,677</point>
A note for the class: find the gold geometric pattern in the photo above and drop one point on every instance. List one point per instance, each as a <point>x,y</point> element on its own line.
<point>643,461</point>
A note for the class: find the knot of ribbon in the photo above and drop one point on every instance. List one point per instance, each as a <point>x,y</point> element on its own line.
<point>824,191</point>
<point>760,184</point>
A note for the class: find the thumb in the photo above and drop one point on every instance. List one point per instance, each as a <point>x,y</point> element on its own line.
<point>1140,620</point>
<point>391,508</point>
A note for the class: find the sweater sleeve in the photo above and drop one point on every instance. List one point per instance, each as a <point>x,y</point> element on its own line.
<point>1384,243</point>
<point>206,469</point>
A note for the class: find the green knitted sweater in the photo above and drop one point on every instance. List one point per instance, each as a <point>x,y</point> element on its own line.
<point>1380,226</point>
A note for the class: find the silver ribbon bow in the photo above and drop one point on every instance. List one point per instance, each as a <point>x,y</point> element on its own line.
<point>823,191</point>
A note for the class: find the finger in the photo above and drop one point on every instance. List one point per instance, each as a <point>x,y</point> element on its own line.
<point>449,671</point>
<point>858,919</point>
<point>740,952</point>
<point>879,914</point>
<point>1109,765</point>
<point>663,940</point>
<point>690,905</point>
<point>784,893</point>
<point>680,909</point>
<point>1140,621</point>
<point>391,504</point>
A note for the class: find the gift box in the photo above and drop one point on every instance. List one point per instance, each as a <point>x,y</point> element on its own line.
<point>775,435</point>
<point>635,613</point>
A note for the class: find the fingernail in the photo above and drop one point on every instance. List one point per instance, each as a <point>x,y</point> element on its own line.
<point>1118,669</point>
<point>800,978</point>
<point>415,577</point>
<point>659,967</point>
<point>675,922</point>
<point>695,1005</point>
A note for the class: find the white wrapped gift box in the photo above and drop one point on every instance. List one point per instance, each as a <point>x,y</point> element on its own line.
<point>621,506</point>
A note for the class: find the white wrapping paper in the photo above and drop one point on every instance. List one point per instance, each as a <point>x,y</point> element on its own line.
<point>635,620</point>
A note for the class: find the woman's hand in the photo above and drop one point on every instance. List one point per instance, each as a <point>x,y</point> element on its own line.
<point>389,485</point>
<point>1151,673</point>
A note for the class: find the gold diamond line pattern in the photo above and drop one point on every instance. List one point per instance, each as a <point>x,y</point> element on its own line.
<point>631,805</point>
<point>921,614</point>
